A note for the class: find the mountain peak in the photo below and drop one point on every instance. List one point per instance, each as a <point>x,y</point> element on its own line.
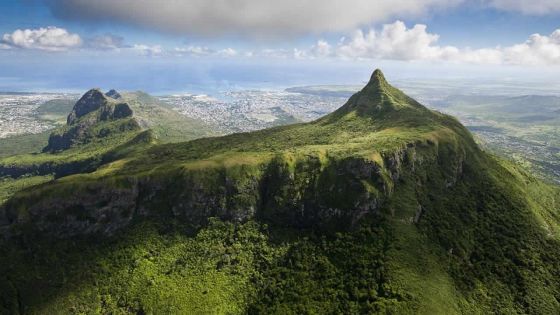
<point>89,102</point>
<point>113,94</point>
<point>378,97</point>
<point>92,109</point>
<point>377,85</point>
<point>377,78</point>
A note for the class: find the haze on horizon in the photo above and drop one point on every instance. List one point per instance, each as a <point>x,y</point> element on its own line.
<point>170,46</point>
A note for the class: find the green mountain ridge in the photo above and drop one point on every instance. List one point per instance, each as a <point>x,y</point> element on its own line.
<point>383,206</point>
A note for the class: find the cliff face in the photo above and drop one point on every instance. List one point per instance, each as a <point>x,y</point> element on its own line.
<point>299,191</point>
<point>84,122</point>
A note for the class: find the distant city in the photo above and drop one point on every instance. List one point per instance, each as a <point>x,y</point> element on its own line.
<point>18,113</point>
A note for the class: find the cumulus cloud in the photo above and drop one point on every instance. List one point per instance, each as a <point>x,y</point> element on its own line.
<point>245,17</point>
<point>534,7</point>
<point>200,51</point>
<point>50,38</point>
<point>538,49</point>
<point>321,49</point>
<point>397,42</point>
<point>394,41</point>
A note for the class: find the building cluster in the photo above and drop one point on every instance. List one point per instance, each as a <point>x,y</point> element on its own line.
<point>247,110</point>
<point>18,113</point>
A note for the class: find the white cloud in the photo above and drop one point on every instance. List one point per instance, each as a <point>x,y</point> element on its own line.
<point>147,50</point>
<point>394,41</point>
<point>228,52</point>
<point>534,7</point>
<point>200,51</point>
<point>197,51</point>
<point>538,49</point>
<point>397,42</point>
<point>321,49</point>
<point>50,38</point>
<point>245,17</point>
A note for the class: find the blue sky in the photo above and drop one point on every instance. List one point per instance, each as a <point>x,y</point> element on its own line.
<point>170,45</point>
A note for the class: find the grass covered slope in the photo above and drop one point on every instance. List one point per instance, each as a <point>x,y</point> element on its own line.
<point>23,144</point>
<point>56,110</point>
<point>381,207</point>
<point>167,124</point>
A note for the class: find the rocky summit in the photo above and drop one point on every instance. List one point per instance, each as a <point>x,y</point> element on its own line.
<point>383,206</point>
<point>84,123</point>
<point>113,94</point>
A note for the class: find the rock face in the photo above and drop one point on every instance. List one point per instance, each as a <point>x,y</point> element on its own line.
<point>86,117</point>
<point>310,194</point>
<point>91,101</point>
<point>113,94</point>
<point>103,212</point>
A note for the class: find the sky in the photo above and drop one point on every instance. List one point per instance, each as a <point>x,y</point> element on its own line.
<point>199,45</point>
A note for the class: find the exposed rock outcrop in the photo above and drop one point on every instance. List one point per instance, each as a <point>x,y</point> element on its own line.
<point>91,101</point>
<point>83,122</point>
<point>113,94</point>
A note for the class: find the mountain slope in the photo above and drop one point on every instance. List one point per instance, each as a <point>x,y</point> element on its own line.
<point>380,207</point>
<point>99,127</point>
<point>167,124</point>
<point>96,128</point>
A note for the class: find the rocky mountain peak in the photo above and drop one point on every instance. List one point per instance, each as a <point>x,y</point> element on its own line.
<point>91,101</point>
<point>91,110</point>
<point>113,94</point>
